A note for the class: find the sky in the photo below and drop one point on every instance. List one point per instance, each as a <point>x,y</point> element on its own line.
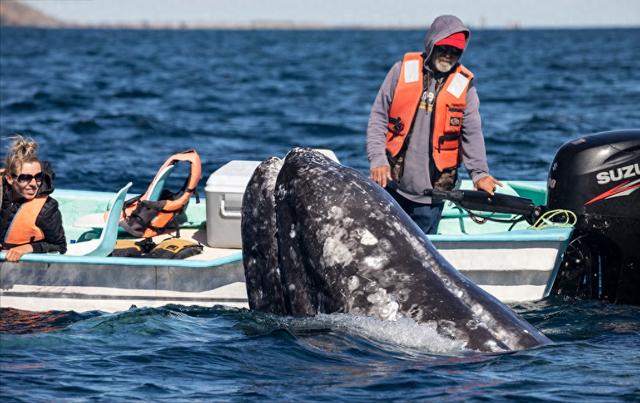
<point>415,13</point>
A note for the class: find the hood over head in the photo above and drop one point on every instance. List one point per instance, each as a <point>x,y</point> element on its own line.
<point>442,27</point>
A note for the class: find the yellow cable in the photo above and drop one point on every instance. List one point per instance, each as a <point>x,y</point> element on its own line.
<point>570,219</point>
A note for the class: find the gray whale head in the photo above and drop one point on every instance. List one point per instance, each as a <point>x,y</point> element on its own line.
<point>319,237</point>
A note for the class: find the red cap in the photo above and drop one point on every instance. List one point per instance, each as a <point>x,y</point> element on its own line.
<point>458,40</point>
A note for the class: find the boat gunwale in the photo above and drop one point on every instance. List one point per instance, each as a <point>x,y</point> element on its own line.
<point>126,261</point>
<point>548,234</point>
<point>554,234</point>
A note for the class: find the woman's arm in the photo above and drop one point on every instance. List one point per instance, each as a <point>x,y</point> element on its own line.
<point>50,222</point>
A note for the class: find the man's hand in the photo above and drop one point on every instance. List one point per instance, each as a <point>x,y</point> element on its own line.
<point>14,254</point>
<point>381,175</point>
<point>487,183</point>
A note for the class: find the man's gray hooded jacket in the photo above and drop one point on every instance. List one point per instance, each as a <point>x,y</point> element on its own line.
<point>418,167</point>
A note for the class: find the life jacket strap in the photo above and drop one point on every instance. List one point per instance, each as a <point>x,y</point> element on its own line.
<point>398,125</point>
<point>447,137</point>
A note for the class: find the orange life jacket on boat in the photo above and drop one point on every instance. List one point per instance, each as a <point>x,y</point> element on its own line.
<point>450,105</point>
<point>23,229</point>
<point>145,218</point>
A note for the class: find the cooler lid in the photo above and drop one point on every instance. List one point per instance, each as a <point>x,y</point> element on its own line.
<point>231,177</point>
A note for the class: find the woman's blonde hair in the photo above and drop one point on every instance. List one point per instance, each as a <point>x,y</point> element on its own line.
<point>23,149</point>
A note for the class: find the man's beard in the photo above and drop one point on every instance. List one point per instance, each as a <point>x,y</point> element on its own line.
<point>442,66</point>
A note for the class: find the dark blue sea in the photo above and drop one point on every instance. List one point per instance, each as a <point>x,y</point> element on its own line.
<point>109,106</point>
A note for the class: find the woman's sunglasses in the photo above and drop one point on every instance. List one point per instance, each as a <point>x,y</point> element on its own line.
<point>25,179</point>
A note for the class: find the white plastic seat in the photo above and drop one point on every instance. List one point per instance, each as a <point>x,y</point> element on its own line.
<point>156,186</point>
<point>104,245</point>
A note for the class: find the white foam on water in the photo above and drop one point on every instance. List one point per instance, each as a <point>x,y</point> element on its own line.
<point>403,332</point>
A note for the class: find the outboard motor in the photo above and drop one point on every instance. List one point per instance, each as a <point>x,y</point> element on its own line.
<point>598,178</point>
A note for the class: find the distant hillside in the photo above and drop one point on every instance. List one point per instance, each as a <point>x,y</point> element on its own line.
<point>17,14</point>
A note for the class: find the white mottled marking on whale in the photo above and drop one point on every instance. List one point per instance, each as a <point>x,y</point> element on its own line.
<point>384,306</point>
<point>335,252</point>
<point>366,237</point>
<point>353,283</point>
<point>336,213</point>
<point>375,262</point>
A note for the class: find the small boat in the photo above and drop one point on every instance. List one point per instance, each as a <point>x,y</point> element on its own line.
<point>595,179</point>
<point>513,262</point>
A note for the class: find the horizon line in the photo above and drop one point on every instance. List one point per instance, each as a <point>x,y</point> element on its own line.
<point>292,25</point>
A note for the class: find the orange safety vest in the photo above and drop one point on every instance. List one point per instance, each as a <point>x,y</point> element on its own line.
<point>23,229</point>
<point>145,218</point>
<point>450,105</point>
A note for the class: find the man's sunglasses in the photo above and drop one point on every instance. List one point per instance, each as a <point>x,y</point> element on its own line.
<point>25,179</point>
<point>452,50</point>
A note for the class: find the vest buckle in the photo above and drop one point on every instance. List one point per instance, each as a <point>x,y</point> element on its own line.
<point>398,125</point>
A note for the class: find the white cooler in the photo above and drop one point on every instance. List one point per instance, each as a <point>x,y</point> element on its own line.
<point>224,190</point>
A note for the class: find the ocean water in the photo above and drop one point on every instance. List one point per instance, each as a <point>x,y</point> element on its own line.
<point>110,106</point>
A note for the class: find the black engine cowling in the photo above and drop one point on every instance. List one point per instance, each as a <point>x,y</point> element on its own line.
<point>598,178</point>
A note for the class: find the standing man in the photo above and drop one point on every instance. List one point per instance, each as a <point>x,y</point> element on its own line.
<point>424,121</point>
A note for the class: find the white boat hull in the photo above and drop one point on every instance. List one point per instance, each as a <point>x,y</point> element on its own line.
<point>37,286</point>
<point>83,299</point>
<point>510,271</point>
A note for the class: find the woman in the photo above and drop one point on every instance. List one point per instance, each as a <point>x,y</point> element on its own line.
<point>30,220</point>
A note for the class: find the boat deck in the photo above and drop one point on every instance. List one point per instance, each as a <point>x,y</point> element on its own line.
<point>199,236</point>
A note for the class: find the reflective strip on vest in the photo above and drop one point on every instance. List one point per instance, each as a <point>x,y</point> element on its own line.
<point>450,105</point>
<point>23,228</point>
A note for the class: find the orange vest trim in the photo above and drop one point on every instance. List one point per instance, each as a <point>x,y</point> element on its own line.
<point>23,229</point>
<point>170,208</point>
<point>450,105</point>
